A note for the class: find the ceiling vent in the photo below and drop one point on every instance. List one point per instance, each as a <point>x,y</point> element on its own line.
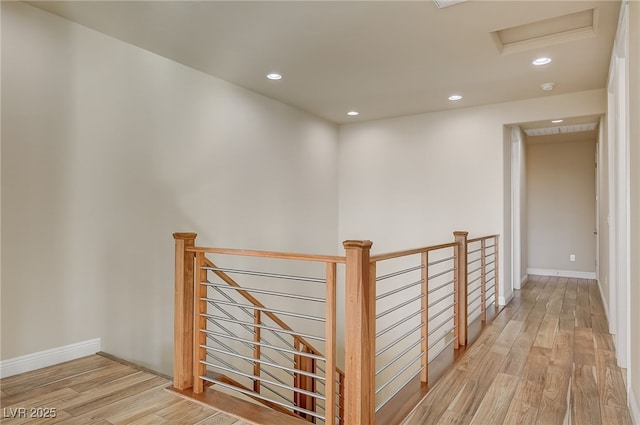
<point>565,129</point>
<point>447,3</point>
<point>560,29</point>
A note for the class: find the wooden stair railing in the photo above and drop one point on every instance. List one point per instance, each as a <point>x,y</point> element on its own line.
<point>187,374</point>
<point>350,395</point>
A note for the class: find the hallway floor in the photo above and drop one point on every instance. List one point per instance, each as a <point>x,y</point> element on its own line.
<point>546,359</point>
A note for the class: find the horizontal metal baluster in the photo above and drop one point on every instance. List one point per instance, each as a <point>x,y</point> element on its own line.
<point>399,306</point>
<point>444,348</point>
<point>231,350</point>
<point>444,322</point>
<point>251,326</point>
<point>474,261</point>
<point>395,291</point>
<point>280,312</point>
<point>442,311</point>
<point>399,322</point>
<point>474,290</point>
<point>404,369</point>
<point>491,262</point>
<point>441,273</point>
<point>299,334</point>
<point>474,310</point>
<point>244,326</point>
<point>263,291</point>
<point>474,280</point>
<point>273,347</point>
<point>442,286</point>
<point>473,271</point>
<point>261,369</point>
<point>433,263</point>
<point>441,299</point>
<point>391,344</point>
<point>252,394</point>
<point>475,299</point>
<point>434,343</point>
<point>264,274</point>
<point>258,378</point>
<point>396,358</point>
<point>240,356</point>
<point>399,389</point>
<point>474,251</point>
<point>398,273</point>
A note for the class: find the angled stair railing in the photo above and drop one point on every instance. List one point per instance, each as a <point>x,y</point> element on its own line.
<point>273,337</point>
<point>244,344</point>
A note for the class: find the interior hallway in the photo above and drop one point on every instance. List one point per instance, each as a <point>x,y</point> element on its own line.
<point>546,359</point>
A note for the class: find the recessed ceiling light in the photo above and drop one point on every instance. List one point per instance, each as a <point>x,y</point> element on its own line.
<point>455,97</point>
<point>353,113</point>
<point>548,86</point>
<point>541,61</point>
<point>274,76</point>
<point>556,121</point>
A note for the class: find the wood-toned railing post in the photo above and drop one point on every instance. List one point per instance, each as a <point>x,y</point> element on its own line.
<point>330,348</point>
<point>200,338</point>
<point>257,337</point>
<point>424,375</point>
<point>483,278</point>
<point>496,273</point>
<point>360,335</point>
<point>305,382</point>
<point>183,311</point>
<point>461,281</point>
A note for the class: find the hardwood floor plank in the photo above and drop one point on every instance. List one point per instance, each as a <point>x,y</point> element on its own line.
<point>612,415</point>
<point>554,403</point>
<point>585,410</point>
<point>583,347</point>
<point>156,382</point>
<point>562,351</point>
<point>26,381</point>
<point>547,331</point>
<point>495,403</point>
<point>450,417</point>
<point>505,340</point>
<point>533,378</point>
<point>520,413</point>
<point>609,380</point>
<point>583,306</point>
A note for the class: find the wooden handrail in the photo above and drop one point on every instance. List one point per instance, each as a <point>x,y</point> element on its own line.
<point>469,241</point>
<point>269,254</point>
<point>397,254</point>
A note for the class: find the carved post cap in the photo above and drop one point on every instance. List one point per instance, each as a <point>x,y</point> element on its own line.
<point>357,244</point>
<point>184,236</point>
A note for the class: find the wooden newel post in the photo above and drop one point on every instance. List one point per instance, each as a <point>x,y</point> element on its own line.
<point>360,338</point>
<point>183,312</point>
<point>461,280</point>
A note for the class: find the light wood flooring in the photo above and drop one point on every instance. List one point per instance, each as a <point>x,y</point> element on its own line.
<point>546,359</point>
<point>99,390</point>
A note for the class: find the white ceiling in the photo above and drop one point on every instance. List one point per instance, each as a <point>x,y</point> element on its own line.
<point>381,58</point>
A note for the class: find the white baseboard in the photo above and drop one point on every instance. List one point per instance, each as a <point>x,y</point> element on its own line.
<point>46,358</point>
<point>634,409</point>
<point>562,273</point>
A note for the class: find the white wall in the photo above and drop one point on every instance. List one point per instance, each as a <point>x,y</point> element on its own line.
<point>412,181</point>
<point>109,149</point>
<point>561,205</point>
<point>634,165</point>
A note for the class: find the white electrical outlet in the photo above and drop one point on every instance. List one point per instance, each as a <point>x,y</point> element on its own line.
<point>572,257</point>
